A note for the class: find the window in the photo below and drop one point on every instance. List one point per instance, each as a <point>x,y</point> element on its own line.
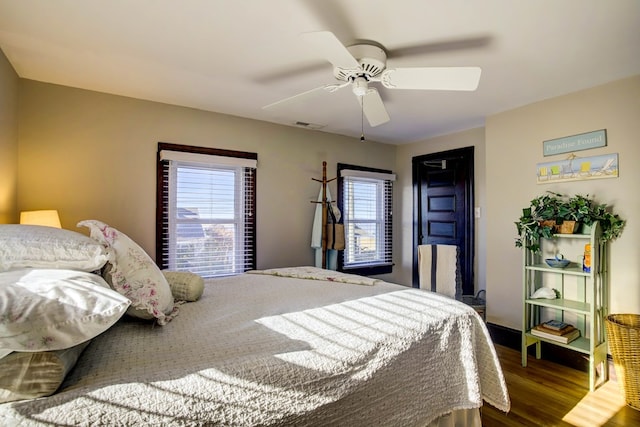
<point>206,210</point>
<point>365,198</point>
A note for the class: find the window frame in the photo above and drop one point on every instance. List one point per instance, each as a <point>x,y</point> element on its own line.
<point>162,198</point>
<point>371,268</point>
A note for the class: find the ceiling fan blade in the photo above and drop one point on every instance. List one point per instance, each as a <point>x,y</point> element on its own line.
<point>330,88</point>
<point>327,45</point>
<point>432,78</point>
<point>446,45</point>
<point>373,108</point>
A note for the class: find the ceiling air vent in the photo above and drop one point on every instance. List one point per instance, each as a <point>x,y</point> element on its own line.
<point>308,125</point>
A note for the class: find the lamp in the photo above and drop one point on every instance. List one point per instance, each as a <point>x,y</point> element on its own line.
<point>47,218</point>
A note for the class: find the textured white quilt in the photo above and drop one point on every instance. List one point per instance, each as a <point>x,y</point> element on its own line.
<point>266,350</point>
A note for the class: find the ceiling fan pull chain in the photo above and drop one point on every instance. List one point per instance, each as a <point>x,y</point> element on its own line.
<point>362,119</point>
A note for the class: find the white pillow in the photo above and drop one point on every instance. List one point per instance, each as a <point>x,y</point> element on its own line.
<point>133,273</point>
<point>45,309</point>
<point>37,246</point>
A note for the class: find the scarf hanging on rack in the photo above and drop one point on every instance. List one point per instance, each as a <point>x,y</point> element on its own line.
<point>335,230</point>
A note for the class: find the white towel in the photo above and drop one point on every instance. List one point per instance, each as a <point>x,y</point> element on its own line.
<point>316,232</point>
<point>438,269</point>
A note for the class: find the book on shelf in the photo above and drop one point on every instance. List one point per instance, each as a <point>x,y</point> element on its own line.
<point>556,325</point>
<point>565,336</point>
<point>543,328</point>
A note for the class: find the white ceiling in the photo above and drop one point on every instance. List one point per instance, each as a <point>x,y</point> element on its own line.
<point>236,56</point>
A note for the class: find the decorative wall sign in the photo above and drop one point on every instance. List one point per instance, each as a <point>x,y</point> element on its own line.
<point>583,141</point>
<point>578,169</point>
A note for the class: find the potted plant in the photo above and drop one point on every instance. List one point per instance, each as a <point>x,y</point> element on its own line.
<point>537,221</point>
<point>611,224</point>
<point>549,211</point>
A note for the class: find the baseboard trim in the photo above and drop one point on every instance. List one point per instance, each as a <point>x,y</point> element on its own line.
<point>511,338</point>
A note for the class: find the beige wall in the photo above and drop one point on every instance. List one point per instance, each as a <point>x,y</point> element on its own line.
<point>92,155</point>
<point>8,141</point>
<point>506,153</point>
<point>514,146</point>
<point>403,243</point>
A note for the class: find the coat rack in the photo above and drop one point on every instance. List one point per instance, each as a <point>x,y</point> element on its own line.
<point>324,181</point>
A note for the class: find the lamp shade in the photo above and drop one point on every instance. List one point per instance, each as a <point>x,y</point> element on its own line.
<point>48,218</point>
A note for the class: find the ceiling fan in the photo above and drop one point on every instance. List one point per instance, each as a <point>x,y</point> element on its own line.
<point>364,63</point>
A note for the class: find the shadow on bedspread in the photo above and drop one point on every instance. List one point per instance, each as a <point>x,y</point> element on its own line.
<point>397,358</point>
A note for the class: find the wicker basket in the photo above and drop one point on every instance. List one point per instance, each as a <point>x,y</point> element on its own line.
<point>567,226</point>
<point>623,331</point>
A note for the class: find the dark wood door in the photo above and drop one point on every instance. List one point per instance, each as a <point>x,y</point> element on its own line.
<point>443,207</point>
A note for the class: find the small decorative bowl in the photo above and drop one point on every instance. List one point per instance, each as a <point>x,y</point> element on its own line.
<point>557,263</point>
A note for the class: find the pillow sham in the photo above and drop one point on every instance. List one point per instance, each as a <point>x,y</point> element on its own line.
<point>46,309</point>
<point>38,246</point>
<point>36,374</point>
<point>131,272</point>
<point>185,286</point>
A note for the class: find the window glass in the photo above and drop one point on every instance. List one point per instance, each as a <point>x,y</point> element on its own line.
<point>208,213</point>
<point>366,204</point>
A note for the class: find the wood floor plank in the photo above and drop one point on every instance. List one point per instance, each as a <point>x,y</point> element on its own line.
<point>549,394</point>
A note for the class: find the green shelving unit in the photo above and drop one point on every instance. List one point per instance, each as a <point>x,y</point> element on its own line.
<point>583,300</point>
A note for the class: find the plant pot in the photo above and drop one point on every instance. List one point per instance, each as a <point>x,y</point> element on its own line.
<point>548,223</point>
<point>567,227</point>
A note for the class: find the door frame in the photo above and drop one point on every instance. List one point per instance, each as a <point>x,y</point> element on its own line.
<point>467,155</point>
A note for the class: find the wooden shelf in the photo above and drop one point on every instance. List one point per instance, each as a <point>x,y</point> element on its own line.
<point>574,269</point>
<point>562,304</point>
<point>580,344</point>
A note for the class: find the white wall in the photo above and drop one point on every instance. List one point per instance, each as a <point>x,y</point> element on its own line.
<point>93,155</point>
<point>514,147</point>
<point>8,141</point>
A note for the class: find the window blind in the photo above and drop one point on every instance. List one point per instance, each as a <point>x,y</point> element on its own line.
<point>367,201</point>
<point>208,213</point>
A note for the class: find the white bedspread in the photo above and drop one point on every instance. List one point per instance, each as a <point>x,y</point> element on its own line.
<point>266,350</point>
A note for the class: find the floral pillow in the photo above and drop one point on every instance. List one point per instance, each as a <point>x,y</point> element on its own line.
<point>131,272</point>
<point>54,309</point>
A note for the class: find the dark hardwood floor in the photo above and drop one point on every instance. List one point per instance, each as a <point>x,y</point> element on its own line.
<point>549,394</point>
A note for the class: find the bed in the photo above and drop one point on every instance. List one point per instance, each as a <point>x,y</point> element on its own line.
<point>288,346</point>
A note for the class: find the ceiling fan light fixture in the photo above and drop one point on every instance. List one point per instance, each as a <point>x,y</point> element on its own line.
<point>360,86</point>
